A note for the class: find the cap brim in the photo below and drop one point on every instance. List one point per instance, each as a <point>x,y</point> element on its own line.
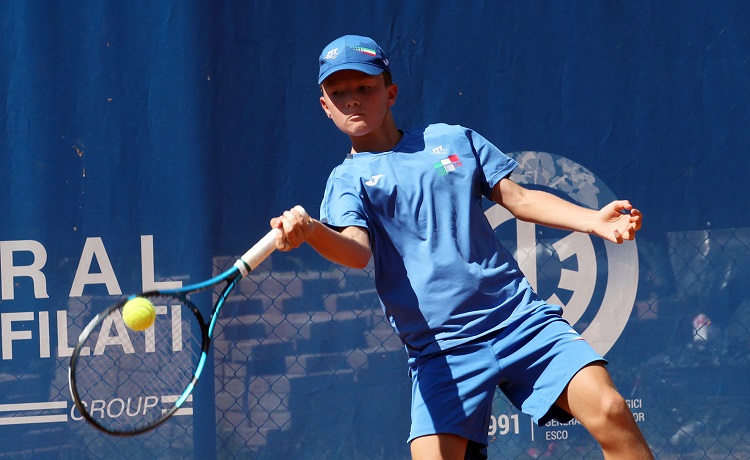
<point>364,67</point>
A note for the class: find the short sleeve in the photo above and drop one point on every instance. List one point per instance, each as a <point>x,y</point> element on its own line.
<point>495,165</point>
<point>342,205</point>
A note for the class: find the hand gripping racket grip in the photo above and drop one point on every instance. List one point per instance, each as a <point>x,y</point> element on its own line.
<point>263,248</point>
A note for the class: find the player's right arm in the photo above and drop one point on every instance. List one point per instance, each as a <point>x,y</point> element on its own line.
<point>349,246</point>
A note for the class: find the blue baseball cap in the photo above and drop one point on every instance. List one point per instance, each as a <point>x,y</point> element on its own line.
<point>352,52</point>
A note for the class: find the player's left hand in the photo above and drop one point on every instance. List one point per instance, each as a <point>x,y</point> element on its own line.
<point>619,221</point>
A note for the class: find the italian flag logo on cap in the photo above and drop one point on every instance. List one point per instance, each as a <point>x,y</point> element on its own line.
<point>363,50</point>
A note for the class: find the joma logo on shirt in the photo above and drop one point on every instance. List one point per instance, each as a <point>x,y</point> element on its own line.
<point>447,165</point>
<point>374,179</point>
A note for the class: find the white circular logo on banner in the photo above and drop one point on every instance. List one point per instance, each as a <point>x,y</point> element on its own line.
<point>621,279</point>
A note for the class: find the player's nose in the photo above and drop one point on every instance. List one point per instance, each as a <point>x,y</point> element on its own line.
<point>352,102</point>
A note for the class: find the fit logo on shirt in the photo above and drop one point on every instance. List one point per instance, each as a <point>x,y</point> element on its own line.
<point>447,165</point>
<point>439,150</point>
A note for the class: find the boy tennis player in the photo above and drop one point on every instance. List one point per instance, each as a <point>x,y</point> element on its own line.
<point>467,316</point>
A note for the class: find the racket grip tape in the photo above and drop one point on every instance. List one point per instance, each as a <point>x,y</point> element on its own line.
<point>258,253</point>
<point>263,248</point>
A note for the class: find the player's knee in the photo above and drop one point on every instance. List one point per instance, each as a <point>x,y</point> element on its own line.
<point>616,431</point>
<point>613,409</point>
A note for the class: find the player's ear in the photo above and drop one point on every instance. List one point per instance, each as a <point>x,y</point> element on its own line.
<point>392,94</point>
<point>325,106</point>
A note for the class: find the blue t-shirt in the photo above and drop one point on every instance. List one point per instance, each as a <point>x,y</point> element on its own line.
<point>441,274</point>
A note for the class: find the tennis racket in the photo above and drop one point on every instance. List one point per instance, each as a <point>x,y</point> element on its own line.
<point>126,382</point>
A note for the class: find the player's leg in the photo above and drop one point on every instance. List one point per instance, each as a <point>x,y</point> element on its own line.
<point>452,394</point>
<point>544,360</point>
<point>591,397</point>
<point>438,447</point>
<point>445,446</point>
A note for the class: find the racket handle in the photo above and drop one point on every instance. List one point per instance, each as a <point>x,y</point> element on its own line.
<point>302,212</point>
<point>258,253</point>
<point>263,248</point>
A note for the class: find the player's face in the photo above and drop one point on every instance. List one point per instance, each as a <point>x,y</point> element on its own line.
<point>357,102</point>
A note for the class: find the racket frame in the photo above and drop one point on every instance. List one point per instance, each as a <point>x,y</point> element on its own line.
<point>244,265</point>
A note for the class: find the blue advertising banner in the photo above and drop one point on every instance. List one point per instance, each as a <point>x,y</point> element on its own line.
<point>147,144</point>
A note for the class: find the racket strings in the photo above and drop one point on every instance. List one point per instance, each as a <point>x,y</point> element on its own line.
<point>129,380</point>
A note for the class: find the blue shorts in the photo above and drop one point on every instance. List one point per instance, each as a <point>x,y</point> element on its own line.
<point>531,361</point>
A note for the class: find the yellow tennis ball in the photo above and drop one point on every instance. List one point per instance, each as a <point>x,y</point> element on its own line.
<point>138,313</point>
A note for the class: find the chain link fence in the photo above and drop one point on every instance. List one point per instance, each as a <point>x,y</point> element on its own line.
<point>305,350</point>
<point>297,354</point>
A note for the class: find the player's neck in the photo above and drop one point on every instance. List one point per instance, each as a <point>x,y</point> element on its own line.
<point>382,139</point>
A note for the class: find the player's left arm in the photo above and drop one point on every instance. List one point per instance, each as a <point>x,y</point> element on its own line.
<point>616,222</point>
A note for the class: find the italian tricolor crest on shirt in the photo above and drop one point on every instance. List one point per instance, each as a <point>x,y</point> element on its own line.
<point>447,165</point>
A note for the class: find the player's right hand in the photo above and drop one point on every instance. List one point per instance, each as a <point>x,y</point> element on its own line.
<point>295,225</point>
